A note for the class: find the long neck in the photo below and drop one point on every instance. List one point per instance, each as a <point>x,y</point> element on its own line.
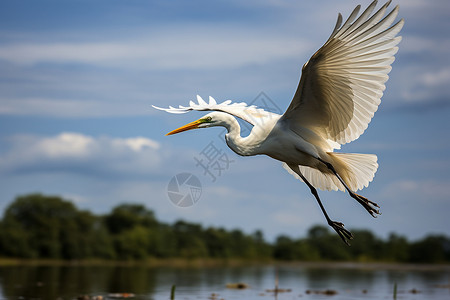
<point>240,145</point>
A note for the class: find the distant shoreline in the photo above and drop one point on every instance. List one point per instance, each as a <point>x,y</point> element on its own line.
<point>210,263</point>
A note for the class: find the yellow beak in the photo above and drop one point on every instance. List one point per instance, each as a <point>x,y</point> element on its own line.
<point>192,125</point>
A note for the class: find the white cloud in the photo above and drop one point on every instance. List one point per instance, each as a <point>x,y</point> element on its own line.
<point>421,84</point>
<point>423,190</point>
<point>423,44</point>
<point>288,218</point>
<point>147,69</point>
<point>66,145</point>
<point>75,152</point>
<point>137,144</point>
<point>172,62</point>
<point>437,78</point>
<point>72,108</point>
<point>77,199</point>
<point>173,48</point>
<point>65,52</point>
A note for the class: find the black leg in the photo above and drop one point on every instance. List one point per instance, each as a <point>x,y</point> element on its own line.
<point>337,226</point>
<point>370,206</point>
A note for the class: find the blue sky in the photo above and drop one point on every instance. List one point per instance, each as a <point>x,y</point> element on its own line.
<point>78,78</point>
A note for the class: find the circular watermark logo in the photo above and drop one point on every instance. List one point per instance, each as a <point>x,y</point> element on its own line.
<point>184,189</point>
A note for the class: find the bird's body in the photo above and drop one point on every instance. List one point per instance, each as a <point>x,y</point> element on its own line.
<point>303,148</point>
<point>339,91</point>
<point>272,140</point>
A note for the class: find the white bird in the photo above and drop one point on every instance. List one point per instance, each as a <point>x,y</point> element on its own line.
<point>339,91</point>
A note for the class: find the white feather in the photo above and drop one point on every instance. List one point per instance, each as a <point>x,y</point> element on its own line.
<point>251,114</point>
<point>347,76</point>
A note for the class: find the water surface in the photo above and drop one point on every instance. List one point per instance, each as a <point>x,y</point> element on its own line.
<point>305,281</point>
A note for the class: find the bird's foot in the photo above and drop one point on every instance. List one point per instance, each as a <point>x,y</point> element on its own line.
<point>370,206</point>
<point>341,231</point>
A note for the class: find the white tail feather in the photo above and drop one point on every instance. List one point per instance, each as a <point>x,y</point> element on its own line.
<point>357,170</point>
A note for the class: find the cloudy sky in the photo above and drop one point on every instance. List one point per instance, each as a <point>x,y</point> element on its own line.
<point>78,78</point>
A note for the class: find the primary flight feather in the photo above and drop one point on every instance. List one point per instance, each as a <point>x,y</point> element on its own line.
<point>339,91</point>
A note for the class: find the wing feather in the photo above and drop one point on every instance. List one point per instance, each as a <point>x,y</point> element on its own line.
<point>359,21</point>
<point>342,84</point>
<point>249,113</point>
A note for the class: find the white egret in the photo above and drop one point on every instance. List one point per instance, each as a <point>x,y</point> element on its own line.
<point>339,91</point>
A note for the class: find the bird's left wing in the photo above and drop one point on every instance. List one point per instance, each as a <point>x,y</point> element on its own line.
<point>341,85</point>
<point>249,113</point>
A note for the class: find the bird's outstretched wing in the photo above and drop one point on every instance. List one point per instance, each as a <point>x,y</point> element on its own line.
<point>249,113</point>
<point>342,84</point>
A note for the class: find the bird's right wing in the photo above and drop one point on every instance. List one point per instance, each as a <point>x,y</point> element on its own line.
<point>249,113</point>
<point>342,84</point>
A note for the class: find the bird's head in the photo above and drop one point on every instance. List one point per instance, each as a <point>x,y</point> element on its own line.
<point>209,120</point>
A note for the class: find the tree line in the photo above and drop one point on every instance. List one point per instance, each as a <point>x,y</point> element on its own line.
<point>48,227</point>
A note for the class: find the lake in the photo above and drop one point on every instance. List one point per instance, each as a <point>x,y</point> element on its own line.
<point>302,281</point>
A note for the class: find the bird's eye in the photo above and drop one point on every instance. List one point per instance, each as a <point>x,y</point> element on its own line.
<point>208,119</point>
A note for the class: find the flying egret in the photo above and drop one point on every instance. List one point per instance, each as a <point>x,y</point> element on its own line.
<point>339,91</point>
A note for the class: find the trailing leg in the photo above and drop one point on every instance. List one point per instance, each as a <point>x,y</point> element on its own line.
<point>344,234</point>
<point>370,206</point>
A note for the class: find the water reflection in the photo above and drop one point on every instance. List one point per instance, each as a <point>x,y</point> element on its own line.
<point>68,282</point>
<point>52,282</point>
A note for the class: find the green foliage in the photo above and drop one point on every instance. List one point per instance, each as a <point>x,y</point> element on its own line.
<point>128,216</point>
<point>366,246</point>
<point>132,243</point>
<point>286,248</point>
<point>327,244</point>
<point>397,249</point>
<point>432,249</point>
<point>38,226</point>
<point>43,222</point>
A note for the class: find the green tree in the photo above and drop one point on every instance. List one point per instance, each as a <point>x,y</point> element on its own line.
<point>432,249</point>
<point>133,243</point>
<point>126,216</point>
<point>163,242</point>
<point>43,218</point>
<point>365,246</point>
<point>396,248</point>
<point>15,241</point>
<point>189,240</point>
<point>263,249</point>
<point>284,248</point>
<point>327,245</point>
<point>50,227</point>
<point>133,229</point>
<point>38,226</point>
<point>102,244</point>
<point>218,242</point>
